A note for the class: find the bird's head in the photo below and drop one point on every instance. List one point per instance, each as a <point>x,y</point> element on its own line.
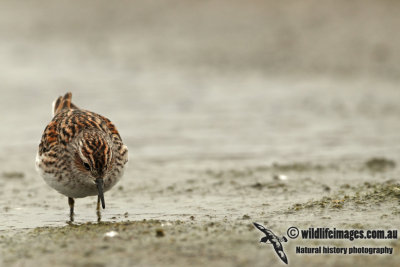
<point>264,239</point>
<point>93,158</point>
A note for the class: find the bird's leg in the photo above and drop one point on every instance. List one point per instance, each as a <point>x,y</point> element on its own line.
<point>98,203</point>
<point>98,209</point>
<point>71,203</point>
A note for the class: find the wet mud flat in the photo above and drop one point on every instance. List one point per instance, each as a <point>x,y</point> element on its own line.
<point>207,235</point>
<point>164,243</point>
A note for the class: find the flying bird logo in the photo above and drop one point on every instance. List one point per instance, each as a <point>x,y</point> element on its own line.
<point>271,238</point>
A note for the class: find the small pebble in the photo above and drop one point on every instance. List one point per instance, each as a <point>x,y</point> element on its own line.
<point>111,234</point>
<point>280,177</point>
<point>160,233</point>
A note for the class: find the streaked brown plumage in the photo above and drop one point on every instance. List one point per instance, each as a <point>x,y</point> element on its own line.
<point>81,153</point>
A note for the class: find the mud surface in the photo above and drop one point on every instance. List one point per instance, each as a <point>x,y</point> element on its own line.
<point>282,113</point>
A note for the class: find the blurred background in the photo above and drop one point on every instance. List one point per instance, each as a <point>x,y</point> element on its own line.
<point>208,79</point>
<point>205,83</point>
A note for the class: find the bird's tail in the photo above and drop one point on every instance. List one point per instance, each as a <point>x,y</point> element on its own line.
<point>63,103</point>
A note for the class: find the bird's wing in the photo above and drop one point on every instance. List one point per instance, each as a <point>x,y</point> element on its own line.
<point>261,228</point>
<point>63,103</point>
<point>52,135</point>
<point>265,230</point>
<point>70,122</point>
<point>279,250</point>
<point>49,138</point>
